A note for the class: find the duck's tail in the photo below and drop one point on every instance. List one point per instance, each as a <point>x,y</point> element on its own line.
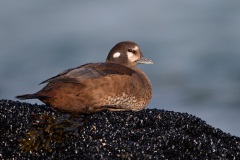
<point>30,96</point>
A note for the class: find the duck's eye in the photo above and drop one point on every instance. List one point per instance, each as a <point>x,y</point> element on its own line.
<point>130,50</point>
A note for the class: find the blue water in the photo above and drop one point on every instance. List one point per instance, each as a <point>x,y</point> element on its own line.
<point>195,46</point>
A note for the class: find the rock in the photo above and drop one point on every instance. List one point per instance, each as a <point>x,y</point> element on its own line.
<point>147,134</point>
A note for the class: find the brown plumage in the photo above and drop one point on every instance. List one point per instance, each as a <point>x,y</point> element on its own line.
<point>116,85</point>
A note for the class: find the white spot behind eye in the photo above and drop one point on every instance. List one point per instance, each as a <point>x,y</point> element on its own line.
<point>116,55</point>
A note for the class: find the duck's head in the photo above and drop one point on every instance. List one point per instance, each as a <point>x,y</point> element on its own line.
<point>127,53</point>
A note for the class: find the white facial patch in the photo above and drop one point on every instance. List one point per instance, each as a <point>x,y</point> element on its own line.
<point>131,57</point>
<point>135,48</point>
<point>116,55</point>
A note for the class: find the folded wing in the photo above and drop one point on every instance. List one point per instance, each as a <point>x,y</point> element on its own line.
<point>89,71</point>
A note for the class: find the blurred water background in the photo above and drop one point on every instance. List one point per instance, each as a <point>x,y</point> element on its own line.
<point>195,46</point>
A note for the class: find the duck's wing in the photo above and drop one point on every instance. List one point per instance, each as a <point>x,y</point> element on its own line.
<point>90,71</point>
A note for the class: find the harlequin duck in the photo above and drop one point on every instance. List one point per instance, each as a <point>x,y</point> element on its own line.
<point>116,85</point>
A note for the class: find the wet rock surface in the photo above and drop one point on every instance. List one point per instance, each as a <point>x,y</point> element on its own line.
<point>148,134</point>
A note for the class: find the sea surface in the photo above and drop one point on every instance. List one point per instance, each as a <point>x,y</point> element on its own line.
<point>195,46</point>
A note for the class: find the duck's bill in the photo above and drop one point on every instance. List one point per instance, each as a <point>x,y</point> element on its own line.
<point>145,61</point>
